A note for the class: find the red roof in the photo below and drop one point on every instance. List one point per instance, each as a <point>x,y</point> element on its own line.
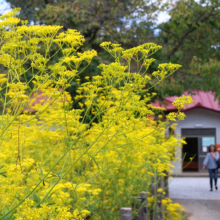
<point>39,98</point>
<point>201,99</point>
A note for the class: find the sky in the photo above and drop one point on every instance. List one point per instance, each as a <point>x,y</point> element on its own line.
<point>4,7</point>
<point>163,17</point>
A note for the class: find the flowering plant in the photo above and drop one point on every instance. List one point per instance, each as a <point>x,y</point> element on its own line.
<point>59,166</point>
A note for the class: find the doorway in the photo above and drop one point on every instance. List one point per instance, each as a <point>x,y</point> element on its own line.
<point>190,150</point>
<point>198,140</point>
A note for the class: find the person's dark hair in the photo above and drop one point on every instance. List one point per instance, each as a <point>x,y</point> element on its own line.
<point>213,146</point>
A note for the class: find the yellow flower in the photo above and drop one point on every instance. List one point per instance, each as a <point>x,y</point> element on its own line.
<point>150,174</point>
<point>160,190</point>
<point>3,80</point>
<point>84,213</point>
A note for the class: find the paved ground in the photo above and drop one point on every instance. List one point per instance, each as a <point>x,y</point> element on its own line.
<point>192,188</point>
<point>194,195</point>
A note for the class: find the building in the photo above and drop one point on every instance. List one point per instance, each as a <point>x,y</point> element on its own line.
<point>200,128</point>
<point>43,99</point>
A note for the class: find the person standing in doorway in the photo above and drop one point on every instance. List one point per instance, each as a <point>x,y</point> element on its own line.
<point>211,163</point>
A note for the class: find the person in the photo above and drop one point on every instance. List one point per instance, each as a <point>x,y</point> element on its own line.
<point>210,162</point>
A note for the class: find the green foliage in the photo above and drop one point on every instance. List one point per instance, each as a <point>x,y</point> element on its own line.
<point>191,38</point>
<point>127,22</point>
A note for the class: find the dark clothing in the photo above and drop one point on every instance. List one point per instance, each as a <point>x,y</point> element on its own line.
<point>213,173</point>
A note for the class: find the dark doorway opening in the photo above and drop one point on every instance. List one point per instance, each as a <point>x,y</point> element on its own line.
<point>190,150</point>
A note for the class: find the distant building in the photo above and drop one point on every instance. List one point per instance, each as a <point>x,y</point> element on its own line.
<point>201,127</point>
<point>41,99</point>
<point>37,98</point>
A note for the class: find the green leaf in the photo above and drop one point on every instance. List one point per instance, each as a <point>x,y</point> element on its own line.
<point>41,171</point>
<point>94,161</point>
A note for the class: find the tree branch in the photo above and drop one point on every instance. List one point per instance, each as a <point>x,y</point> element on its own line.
<point>181,40</point>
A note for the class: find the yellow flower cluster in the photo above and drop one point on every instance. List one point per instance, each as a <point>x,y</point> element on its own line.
<point>172,210</point>
<point>165,70</point>
<point>179,103</point>
<point>58,163</point>
<point>45,211</point>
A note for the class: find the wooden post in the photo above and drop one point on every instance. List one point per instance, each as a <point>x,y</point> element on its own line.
<point>166,188</point>
<point>144,209</point>
<point>125,213</point>
<point>160,197</point>
<point>140,204</point>
<point>166,184</point>
<point>154,212</point>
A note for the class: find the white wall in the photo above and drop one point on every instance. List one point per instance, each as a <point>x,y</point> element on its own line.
<point>209,119</point>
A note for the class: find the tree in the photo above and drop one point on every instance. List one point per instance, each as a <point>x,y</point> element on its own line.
<point>191,38</point>
<point>120,21</point>
<point>127,22</point>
